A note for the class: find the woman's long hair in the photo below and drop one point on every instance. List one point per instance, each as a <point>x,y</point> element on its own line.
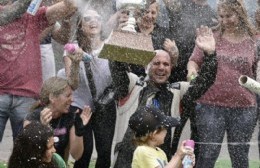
<point>30,147</point>
<point>84,41</point>
<point>238,7</point>
<point>54,86</point>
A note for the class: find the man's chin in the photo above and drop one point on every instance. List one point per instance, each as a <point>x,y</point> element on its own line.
<point>160,81</point>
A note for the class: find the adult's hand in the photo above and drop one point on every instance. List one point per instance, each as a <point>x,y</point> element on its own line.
<point>122,19</point>
<point>82,120</point>
<point>86,115</point>
<point>205,40</point>
<point>76,57</point>
<point>46,116</point>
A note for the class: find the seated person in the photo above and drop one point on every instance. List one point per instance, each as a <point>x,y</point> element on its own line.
<point>34,147</point>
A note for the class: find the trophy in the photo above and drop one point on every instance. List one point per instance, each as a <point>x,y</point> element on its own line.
<point>131,6</point>
<point>126,45</point>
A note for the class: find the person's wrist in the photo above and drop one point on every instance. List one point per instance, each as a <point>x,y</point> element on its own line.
<point>179,155</point>
<point>210,52</point>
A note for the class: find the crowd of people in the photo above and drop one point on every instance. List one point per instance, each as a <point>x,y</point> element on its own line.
<point>133,114</point>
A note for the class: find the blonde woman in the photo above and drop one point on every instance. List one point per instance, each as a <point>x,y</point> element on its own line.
<point>226,106</point>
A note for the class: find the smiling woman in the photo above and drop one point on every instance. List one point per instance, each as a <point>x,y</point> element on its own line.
<point>53,109</point>
<point>250,5</point>
<point>91,83</point>
<point>226,104</point>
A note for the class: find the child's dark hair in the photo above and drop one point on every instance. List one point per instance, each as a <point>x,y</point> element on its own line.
<point>144,139</point>
<point>30,147</point>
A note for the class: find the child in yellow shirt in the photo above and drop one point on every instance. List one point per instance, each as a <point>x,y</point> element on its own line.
<point>150,127</point>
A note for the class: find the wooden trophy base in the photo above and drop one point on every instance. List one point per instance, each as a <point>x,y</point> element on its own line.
<point>123,46</point>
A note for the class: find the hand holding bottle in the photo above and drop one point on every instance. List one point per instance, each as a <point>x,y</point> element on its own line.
<point>72,48</point>
<point>188,161</point>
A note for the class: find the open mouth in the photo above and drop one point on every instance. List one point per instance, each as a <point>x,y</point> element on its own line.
<point>93,26</point>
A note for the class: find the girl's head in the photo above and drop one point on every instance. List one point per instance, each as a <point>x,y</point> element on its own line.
<point>89,25</point>
<point>33,147</point>
<point>233,17</point>
<point>56,94</point>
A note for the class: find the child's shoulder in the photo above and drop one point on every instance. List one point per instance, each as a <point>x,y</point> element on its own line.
<point>147,149</point>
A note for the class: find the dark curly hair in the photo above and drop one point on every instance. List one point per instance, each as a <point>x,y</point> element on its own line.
<point>30,147</point>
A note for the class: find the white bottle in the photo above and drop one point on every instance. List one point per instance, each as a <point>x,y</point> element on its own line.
<point>34,6</point>
<point>187,161</point>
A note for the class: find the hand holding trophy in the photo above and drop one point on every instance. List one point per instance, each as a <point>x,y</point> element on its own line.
<point>127,45</point>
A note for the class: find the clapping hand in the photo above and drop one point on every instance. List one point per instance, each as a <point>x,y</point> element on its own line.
<point>82,120</point>
<point>205,39</point>
<point>86,115</point>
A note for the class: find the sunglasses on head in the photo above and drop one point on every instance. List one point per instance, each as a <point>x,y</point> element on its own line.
<point>89,18</point>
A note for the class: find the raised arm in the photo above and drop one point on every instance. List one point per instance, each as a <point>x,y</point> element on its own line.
<point>77,131</point>
<point>61,10</point>
<point>61,31</point>
<point>11,12</point>
<point>206,77</point>
<point>72,62</point>
<point>120,78</point>
<point>172,49</point>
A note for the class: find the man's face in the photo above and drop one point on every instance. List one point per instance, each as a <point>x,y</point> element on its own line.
<point>160,69</point>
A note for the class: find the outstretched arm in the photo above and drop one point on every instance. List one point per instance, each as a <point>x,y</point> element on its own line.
<point>11,12</point>
<point>206,42</point>
<point>61,10</point>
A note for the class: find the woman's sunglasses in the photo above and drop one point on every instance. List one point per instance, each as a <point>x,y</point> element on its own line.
<point>89,18</point>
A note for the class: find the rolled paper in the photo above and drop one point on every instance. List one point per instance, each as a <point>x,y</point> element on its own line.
<point>249,83</point>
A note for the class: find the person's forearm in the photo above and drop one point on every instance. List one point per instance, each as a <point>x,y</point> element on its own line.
<point>174,162</point>
<point>76,145</point>
<point>203,81</point>
<point>61,10</point>
<point>45,33</point>
<point>61,34</point>
<point>192,66</point>
<point>111,24</point>
<point>11,12</point>
<point>120,78</point>
<point>73,77</point>
<point>174,55</point>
